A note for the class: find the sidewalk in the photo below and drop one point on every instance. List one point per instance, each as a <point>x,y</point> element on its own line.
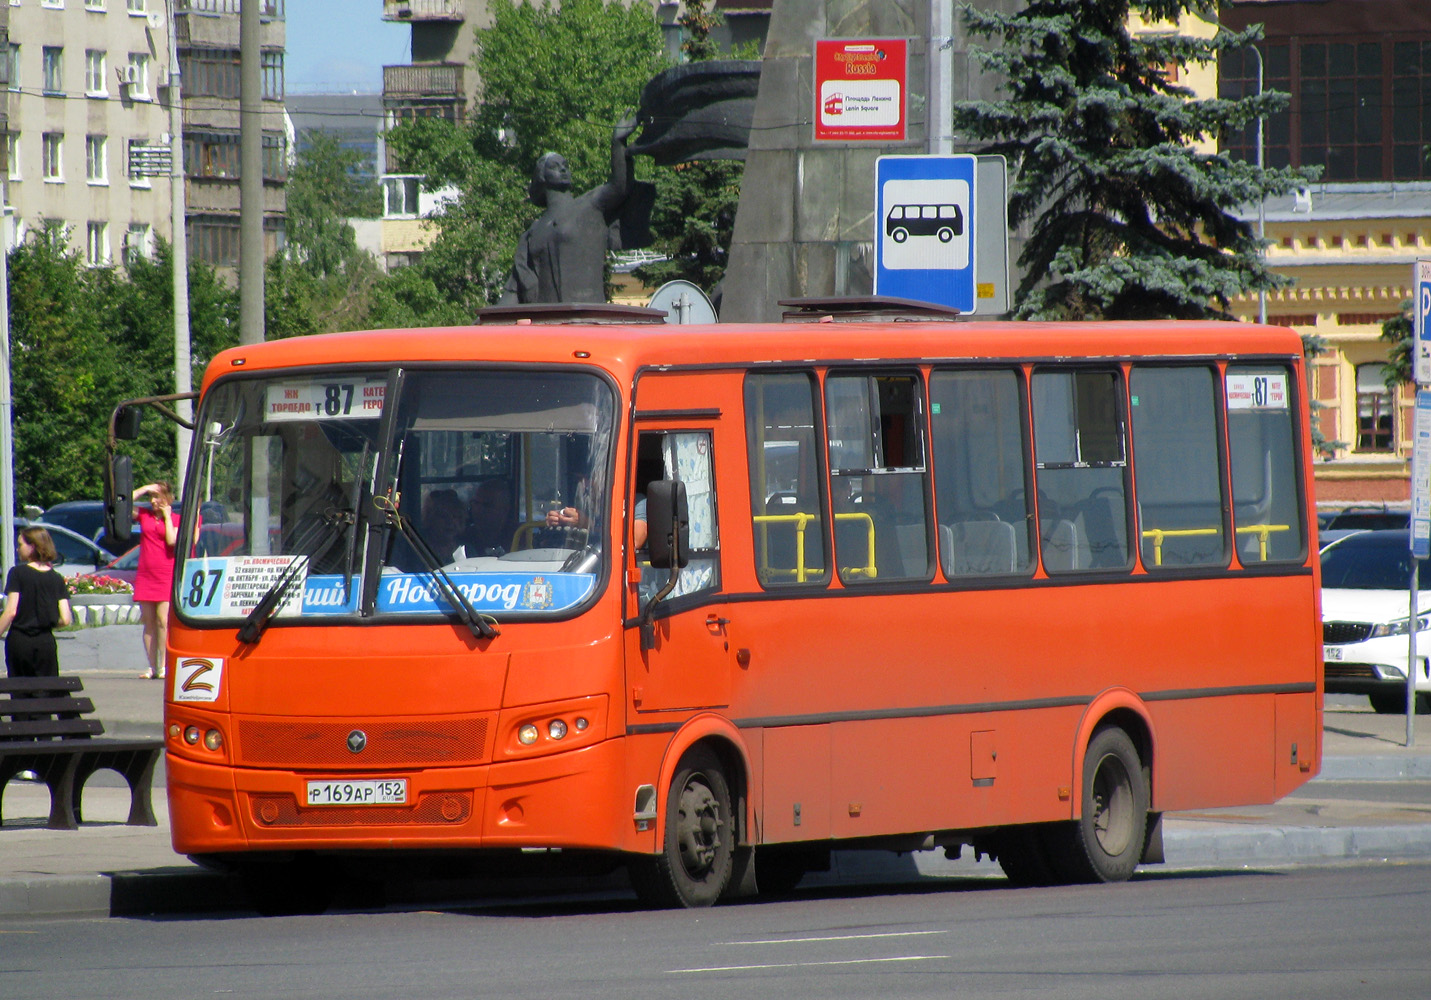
<point>1372,801</point>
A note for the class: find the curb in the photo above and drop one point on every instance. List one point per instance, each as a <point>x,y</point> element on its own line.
<point>1385,768</point>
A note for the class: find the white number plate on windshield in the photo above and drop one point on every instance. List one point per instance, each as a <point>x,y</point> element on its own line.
<point>386,792</point>
<point>1331,652</point>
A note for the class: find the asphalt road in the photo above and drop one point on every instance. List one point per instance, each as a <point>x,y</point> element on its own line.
<point>1347,932</point>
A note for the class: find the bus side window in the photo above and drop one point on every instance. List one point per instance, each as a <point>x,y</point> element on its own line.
<point>980,473</point>
<point>878,477</point>
<point>1261,428</point>
<point>684,456</point>
<point>1178,466</point>
<point>1081,463</point>
<point>788,524</point>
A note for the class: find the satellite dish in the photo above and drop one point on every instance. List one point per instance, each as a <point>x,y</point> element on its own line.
<point>683,302</point>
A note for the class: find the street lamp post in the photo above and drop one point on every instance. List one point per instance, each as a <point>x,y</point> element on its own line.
<point>183,365</point>
<point>1262,201</point>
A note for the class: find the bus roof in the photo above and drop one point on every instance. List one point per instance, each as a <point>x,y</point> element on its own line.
<point>623,349</point>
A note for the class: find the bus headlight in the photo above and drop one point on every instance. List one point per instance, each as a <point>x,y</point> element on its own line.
<point>556,729</point>
<point>213,739</point>
<point>527,735</point>
<point>191,735</point>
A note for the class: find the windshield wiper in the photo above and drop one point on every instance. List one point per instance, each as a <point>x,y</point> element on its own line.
<point>482,626</point>
<point>331,528</point>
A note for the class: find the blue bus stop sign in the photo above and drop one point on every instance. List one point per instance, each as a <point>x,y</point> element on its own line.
<point>924,229</point>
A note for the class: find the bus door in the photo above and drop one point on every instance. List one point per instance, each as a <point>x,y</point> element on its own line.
<point>680,654</point>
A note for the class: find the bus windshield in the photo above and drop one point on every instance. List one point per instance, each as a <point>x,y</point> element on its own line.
<point>300,479</point>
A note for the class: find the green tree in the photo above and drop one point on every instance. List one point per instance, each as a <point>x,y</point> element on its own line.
<point>1127,217</point>
<point>553,78</point>
<point>694,216</point>
<point>1398,332</point>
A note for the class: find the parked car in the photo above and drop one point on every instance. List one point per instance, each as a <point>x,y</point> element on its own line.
<point>1364,517</point>
<point>125,568</point>
<point>86,518</point>
<point>1366,581</point>
<point>77,554</point>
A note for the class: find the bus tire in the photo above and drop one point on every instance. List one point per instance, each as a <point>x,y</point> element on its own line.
<point>695,862</point>
<point>1105,844</point>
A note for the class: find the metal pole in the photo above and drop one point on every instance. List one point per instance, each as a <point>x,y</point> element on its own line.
<point>1261,202</point>
<point>7,440</point>
<point>1411,654</point>
<point>939,122</point>
<point>250,175</point>
<point>179,244</point>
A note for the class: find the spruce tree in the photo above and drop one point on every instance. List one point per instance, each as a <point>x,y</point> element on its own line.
<point>1130,216</point>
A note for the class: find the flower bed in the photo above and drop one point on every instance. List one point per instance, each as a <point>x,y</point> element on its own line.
<point>98,583</point>
<point>102,600</point>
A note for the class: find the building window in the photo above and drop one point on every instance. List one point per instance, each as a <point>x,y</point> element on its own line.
<point>94,4</point>
<point>211,154</point>
<point>96,171</point>
<point>272,76</point>
<point>95,85</point>
<point>96,252</point>
<point>1375,409</point>
<point>136,242</point>
<point>275,158</point>
<point>210,72</point>
<point>12,154</point>
<point>52,156</point>
<point>136,6</point>
<point>214,239</point>
<point>400,196</point>
<point>12,66</point>
<point>53,62</point>
<point>1360,106</point>
<point>137,76</point>
<point>136,180</point>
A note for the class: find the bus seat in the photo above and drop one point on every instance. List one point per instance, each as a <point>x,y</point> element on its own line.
<point>978,548</point>
<point>1064,547</point>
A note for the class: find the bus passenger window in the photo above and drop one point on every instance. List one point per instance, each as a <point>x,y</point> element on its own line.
<point>788,525</point>
<point>1080,462</point>
<point>1176,459</point>
<point>980,469</point>
<point>1266,502</point>
<point>878,477</point>
<point>684,456</point>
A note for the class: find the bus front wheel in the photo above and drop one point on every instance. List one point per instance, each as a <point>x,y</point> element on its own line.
<point>1105,843</point>
<point>698,850</point>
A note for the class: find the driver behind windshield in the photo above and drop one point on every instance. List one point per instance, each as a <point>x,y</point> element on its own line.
<point>490,520</point>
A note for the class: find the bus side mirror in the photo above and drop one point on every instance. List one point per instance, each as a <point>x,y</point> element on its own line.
<point>668,535</point>
<point>119,506</point>
<point>126,423</point>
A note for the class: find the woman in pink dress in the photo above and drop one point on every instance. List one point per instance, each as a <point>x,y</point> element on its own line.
<point>158,532</point>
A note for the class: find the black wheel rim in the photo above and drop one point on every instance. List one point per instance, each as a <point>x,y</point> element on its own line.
<point>699,825</point>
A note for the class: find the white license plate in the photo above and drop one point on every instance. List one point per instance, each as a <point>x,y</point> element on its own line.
<point>381,792</point>
<point>1332,652</point>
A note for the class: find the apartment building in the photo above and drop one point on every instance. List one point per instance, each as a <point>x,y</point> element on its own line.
<point>88,82</point>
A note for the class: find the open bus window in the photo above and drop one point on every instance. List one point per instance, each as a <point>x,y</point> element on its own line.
<point>878,477</point>
<point>1261,429</point>
<point>1175,444</point>
<point>476,459</point>
<point>785,476</point>
<point>980,473</point>
<point>1081,464</point>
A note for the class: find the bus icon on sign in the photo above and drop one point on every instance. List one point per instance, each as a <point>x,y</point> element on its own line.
<point>942,221</point>
<point>835,104</point>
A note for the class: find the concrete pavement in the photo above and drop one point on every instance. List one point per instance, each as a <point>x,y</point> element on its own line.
<point>1371,802</point>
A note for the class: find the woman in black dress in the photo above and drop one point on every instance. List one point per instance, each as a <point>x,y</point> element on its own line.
<point>36,600</point>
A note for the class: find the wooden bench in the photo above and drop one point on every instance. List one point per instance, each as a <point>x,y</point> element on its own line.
<point>43,729</point>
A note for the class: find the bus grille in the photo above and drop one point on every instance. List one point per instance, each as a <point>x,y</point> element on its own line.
<point>390,743</point>
<point>432,808</point>
<point>1339,633</point>
<point>1350,671</point>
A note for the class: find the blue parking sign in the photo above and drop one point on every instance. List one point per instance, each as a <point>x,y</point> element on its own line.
<point>924,229</point>
<point>1421,313</point>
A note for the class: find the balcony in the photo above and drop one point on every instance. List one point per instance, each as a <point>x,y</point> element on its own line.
<point>432,80</point>
<point>424,10</point>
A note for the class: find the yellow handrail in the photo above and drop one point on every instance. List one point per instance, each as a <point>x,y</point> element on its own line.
<point>1260,530</point>
<point>800,520</point>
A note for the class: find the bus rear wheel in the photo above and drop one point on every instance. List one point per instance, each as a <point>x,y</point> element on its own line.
<point>698,851</point>
<point>1105,843</point>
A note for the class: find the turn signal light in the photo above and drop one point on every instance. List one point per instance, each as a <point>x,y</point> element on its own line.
<point>527,735</point>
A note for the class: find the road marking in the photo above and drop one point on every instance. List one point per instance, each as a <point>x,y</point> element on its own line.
<point>808,965</point>
<point>833,937</point>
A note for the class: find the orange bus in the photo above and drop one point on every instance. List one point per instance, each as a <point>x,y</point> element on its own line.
<point>712,601</point>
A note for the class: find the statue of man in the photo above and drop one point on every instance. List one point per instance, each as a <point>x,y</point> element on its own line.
<point>562,256</point>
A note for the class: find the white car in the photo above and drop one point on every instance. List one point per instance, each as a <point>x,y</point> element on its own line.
<point>1366,581</point>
